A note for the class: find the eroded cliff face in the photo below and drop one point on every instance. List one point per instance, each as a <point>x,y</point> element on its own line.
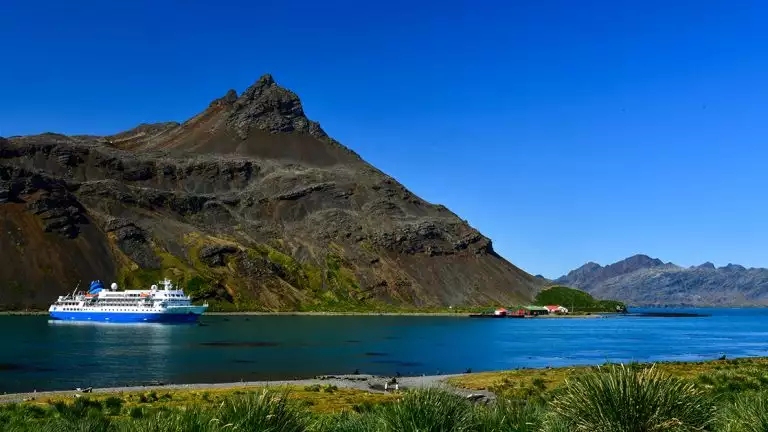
<point>248,204</point>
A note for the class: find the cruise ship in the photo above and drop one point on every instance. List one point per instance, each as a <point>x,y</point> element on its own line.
<point>164,304</point>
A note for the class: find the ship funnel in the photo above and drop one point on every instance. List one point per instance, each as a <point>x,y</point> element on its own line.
<point>96,287</point>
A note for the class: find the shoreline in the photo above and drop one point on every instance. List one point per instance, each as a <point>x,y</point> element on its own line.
<point>601,314</point>
<point>363,382</point>
<point>332,313</point>
<point>375,383</point>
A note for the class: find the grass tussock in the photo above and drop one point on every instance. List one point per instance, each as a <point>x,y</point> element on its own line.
<point>429,410</point>
<point>629,400</point>
<point>266,411</point>
<point>747,413</point>
<point>509,416</point>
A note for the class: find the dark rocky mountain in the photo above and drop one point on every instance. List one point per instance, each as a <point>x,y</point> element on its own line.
<point>643,281</point>
<point>249,204</point>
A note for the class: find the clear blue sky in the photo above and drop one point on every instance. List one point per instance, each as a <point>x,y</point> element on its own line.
<point>566,131</point>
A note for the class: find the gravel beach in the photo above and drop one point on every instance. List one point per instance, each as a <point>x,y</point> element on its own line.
<point>373,384</point>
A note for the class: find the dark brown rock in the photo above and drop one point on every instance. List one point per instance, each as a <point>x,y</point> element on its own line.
<point>213,255</point>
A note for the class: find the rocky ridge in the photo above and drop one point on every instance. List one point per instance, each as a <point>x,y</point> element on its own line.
<point>644,281</point>
<point>249,204</point>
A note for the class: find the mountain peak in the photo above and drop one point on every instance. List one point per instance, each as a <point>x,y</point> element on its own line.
<point>266,79</point>
<point>266,120</point>
<point>642,260</point>
<point>580,275</point>
<point>733,267</point>
<point>267,106</point>
<point>588,267</point>
<point>591,272</point>
<point>263,84</point>
<point>707,265</point>
<point>631,264</point>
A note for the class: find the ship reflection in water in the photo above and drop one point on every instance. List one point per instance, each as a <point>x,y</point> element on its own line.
<point>112,346</point>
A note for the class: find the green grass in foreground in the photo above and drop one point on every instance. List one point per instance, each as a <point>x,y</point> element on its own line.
<point>721,378</point>
<point>319,399</point>
<point>719,396</point>
<point>424,410</point>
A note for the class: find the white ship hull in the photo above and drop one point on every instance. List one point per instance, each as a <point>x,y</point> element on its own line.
<point>181,314</point>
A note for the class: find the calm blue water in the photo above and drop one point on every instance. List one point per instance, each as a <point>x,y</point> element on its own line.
<point>38,354</point>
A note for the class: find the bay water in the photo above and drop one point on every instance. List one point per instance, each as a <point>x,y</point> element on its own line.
<point>38,354</point>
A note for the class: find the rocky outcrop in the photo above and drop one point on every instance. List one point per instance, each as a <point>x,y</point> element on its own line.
<point>432,237</point>
<point>47,198</point>
<point>249,198</point>
<point>133,242</point>
<point>214,255</point>
<point>644,281</point>
<point>268,107</point>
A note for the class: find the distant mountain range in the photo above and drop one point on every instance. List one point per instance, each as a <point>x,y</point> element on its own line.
<point>643,281</point>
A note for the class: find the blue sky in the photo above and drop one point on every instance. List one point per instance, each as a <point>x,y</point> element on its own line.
<point>565,131</point>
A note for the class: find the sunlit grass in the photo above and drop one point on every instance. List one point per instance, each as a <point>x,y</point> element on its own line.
<point>623,399</point>
<point>509,416</point>
<point>718,376</point>
<point>264,411</point>
<point>315,401</point>
<point>747,413</point>
<point>426,411</point>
